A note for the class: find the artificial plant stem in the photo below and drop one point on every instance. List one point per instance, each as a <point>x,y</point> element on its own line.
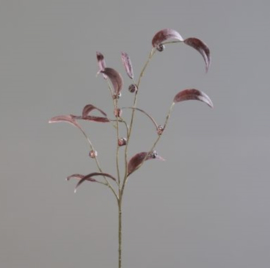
<point>97,162</point>
<point>117,148</point>
<point>152,148</point>
<point>119,231</point>
<point>138,85</point>
<point>133,110</point>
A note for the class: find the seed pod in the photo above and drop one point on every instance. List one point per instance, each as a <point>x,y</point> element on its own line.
<point>122,141</point>
<point>160,129</point>
<point>133,88</point>
<point>160,47</point>
<point>118,112</point>
<point>93,154</point>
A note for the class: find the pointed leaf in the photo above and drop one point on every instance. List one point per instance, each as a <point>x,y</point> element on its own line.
<point>79,176</point>
<point>101,63</point>
<point>65,118</point>
<point>92,175</point>
<point>136,161</point>
<point>165,35</point>
<point>202,48</point>
<point>193,94</point>
<point>88,108</point>
<point>115,78</point>
<point>92,118</point>
<point>127,64</point>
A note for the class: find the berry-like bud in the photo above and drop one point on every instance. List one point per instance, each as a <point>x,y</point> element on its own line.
<point>93,154</point>
<point>154,154</point>
<point>118,112</point>
<point>133,88</point>
<point>122,141</point>
<point>160,47</point>
<point>160,129</point>
<point>117,96</point>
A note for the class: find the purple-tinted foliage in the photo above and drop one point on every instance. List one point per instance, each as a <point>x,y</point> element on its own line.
<point>65,118</point>
<point>135,162</point>
<point>80,176</point>
<point>101,63</point>
<point>165,35</point>
<point>116,79</point>
<point>92,118</point>
<point>89,108</point>
<point>85,178</point>
<point>193,94</point>
<point>127,64</point>
<point>202,48</point>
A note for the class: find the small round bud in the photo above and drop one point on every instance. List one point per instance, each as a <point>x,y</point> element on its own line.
<point>117,96</point>
<point>160,47</point>
<point>160,129</point>
<point>118,112</point>
<point>154,154</point>
<point>93,154</point>
<point>133,88</point>
<point>122,141</point>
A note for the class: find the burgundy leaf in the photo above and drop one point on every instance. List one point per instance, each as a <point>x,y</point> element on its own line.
<point>149,116</point>
<point>79,176</point>
<point>101,63</point>
<point>127,64</point>
<point>88,108</point>
<point>201,47</point>
<point>115,78</point>
<point>65,118</point>
<point>165,35</point>
<point>193,94</point>
<point>92,118</point>
<point>85,178</point>
<point>135,162</point>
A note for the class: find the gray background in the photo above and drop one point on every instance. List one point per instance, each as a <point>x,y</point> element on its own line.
<point>206,206</point>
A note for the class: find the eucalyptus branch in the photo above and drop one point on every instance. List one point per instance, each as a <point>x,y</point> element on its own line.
<point>161,38</point>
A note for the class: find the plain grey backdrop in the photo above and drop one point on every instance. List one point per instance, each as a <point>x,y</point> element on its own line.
<point>207,206</point>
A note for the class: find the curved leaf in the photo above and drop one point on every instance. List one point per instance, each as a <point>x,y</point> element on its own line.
<point>165,35</point>
<point>127,64</point>
<point>101,63</point>
<point>149,116</point>
<point>193,94</point>
<point>115,78</point>
<point>65,118</point>
<point>80,176</point>
<point>201,47</point>
<point>136,161</point>
<point>88,108</point>
<point>85,178</point>
<point>92,118</point>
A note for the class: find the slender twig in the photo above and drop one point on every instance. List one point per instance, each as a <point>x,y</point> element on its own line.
<point>133,111</point>
<point>142,111</point>
<point>117,146</point>
<point>153,146</point>
<point>120,231</point>
<point>97,162</point>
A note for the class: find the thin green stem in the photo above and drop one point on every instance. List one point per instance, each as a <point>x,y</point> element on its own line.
<point>133,111</point>
<point>153,146</point>
<point>120,232</point>
<point>117,146</point>
<point>107,183</point>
